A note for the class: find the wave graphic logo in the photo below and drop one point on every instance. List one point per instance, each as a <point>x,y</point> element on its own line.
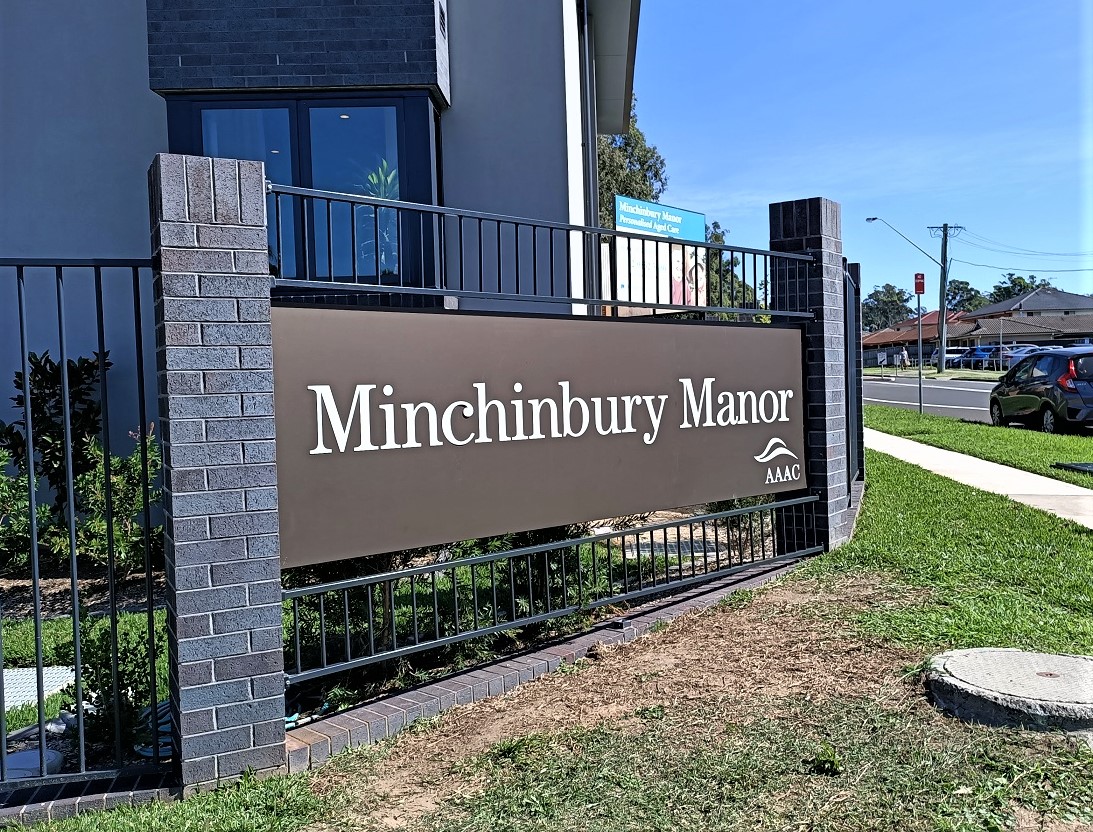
<point>775,448</point>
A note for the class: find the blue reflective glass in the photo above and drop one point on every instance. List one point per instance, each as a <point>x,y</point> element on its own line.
<point>261,134</point>
<point>355,150</point>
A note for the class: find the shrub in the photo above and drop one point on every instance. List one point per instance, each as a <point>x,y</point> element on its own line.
<point>14,516</point>
<point>127,486</point>
<point>134,673</point>
<point>47,409</point>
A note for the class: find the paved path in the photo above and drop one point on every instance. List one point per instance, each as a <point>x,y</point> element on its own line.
<point>1060,498</point>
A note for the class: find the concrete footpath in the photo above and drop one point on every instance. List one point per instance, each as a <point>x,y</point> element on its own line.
<point>1062,499</point>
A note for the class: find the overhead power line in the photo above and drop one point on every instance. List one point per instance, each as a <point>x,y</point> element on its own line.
<point>1019,249</point>
<point>1015,253</point>
<point>1021,268</point>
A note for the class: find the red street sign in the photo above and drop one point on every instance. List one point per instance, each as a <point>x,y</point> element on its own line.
<point>920,283</point>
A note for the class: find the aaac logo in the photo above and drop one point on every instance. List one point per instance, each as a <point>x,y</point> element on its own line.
<point>779,473</point>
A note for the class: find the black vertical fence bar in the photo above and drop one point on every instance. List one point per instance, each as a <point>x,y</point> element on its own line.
<point>493,584</point>
<point>512,587</point>
<point>277,238</point>
<point>462,256</point>
<point>371,615</point>
<point>353,239</point>
<point>108,494</point>
<point>436,607</point>
<point>296,631</point>
<point>32,489</point>
<point>322,630</point>
<point>146,506</point>
<point>347,625</point>
<point>70,487</point>
<point>413,607</point>
<point>376,240</point>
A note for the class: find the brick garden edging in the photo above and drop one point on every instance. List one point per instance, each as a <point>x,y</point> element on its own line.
<point>312,745</point>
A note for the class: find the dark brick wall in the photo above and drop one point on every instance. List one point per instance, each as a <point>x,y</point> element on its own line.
<point>286,44</point>
<point>815,226</point>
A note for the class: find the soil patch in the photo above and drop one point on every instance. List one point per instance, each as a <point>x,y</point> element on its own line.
<point>722,657</point>
<point>17,594</point>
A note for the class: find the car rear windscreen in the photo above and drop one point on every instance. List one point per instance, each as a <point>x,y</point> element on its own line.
<point>1083,367</point>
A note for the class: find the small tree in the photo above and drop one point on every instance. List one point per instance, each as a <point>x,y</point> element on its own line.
<point>628,165</point>
<point>885,306</point>
<point>961,296</point>
<point>1014,285</point>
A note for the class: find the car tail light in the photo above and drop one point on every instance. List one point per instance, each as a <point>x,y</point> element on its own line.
<point>1067,379</point>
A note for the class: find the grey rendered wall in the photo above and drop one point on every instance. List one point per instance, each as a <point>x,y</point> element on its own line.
<point>505,135</point>
<point>78,125</point>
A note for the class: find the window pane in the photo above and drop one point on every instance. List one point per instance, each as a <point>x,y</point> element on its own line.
<point>259,134</point>
<point>355,150</point>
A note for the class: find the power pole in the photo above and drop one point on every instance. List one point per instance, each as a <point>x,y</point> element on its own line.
<point>942,306</point>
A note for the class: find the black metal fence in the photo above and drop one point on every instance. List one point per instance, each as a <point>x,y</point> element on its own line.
<point>341,625</point>
<point>341,248</point>
<point>345,246</point>
<point>81,632</point>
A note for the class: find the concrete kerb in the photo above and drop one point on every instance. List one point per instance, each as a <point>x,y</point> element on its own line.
<point>310,746</point>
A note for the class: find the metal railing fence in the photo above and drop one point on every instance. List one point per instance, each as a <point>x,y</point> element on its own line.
<point>78,521</point>
<point>336,243</point>
<point>341,625</point>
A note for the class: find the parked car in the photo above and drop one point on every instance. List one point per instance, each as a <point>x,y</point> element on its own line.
<point>999,357</point>
<point>1051,390</point>
<point>974,358</point>
<point>952,356</point>
<point>1018,351</point>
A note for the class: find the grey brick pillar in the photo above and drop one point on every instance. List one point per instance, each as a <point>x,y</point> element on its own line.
<point>214,356</point>
<point>815,226</point>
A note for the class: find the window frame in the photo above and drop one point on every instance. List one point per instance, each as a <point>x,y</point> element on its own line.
<point>417,137</point>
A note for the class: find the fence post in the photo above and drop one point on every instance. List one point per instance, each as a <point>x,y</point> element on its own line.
<point>815,226</point>
<point>215,364</point>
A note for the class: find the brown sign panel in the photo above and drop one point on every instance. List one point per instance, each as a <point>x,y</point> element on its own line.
<point>404,429</point>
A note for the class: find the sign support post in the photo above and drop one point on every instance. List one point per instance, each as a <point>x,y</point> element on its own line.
<point>920,287</point>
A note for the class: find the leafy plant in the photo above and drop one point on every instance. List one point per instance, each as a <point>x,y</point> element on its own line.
<point>134,673</point>
<point>14,515</point>
<point>382,183</point>
<point>123,513</point>
<point>47,410</point>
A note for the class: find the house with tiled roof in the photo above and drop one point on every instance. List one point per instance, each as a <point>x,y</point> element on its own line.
<point>1046,301</point>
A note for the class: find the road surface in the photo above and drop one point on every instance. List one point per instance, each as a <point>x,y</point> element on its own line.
<point>958,399</point>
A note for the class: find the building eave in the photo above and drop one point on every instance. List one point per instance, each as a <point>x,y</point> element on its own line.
<point>615,46</point>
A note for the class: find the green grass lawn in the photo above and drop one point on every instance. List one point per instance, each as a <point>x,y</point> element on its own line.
<point>968,568</point>
<point>1028,450</point>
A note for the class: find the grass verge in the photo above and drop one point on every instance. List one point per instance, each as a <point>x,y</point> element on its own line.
<point>1000,573</point>
<point>1025,449</point>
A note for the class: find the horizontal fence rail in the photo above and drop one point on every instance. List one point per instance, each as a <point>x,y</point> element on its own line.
<point>343,244</point>
<point>79,540</point>
<point>342,625</point>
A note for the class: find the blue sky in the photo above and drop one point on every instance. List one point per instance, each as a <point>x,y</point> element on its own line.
<point>977,113</point>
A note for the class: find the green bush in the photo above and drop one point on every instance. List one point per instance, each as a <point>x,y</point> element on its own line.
<point>47,409</point>
<point>14,515</point>
<point>134,672</point>
<point>127,485</point>
<point>88,464</point>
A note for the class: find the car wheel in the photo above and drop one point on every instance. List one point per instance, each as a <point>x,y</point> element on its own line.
<point>1049,422</point>
<point>996,415</point>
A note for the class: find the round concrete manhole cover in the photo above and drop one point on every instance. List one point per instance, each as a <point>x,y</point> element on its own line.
<point>1000,686</point>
